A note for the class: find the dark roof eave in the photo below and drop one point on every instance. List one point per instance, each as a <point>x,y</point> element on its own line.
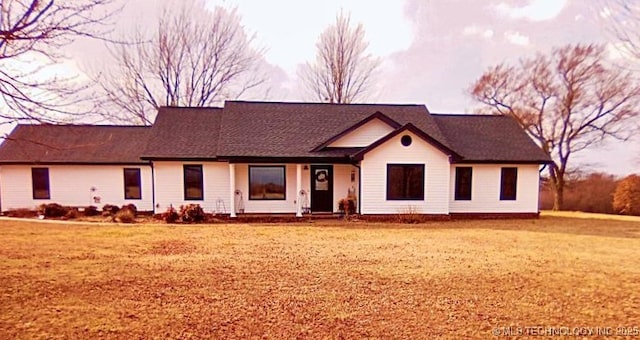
<point>180,158</point>
<point>70,163</point>
<point>287,159</point>
<point>502,161</point>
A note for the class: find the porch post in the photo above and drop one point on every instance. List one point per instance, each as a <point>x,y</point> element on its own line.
<point>232,189</point>
<point>298,188</point>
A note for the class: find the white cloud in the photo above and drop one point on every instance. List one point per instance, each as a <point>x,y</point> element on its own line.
<point>516,38</point>
<point>487,34</point>
<point>536,10</point>
<point>605,13</point>
<point>475,30</point>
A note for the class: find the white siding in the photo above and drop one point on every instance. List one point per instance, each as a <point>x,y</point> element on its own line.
<point>169,178</point>
<point>374,177</point>
<point>71,185</point>
<point>364,135</point>
<point>170,191</point>
<point>287,205</point>
<point>485,190</point>
<point>342,182</point>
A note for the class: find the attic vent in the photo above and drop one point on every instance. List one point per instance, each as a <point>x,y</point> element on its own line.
<point>406,140</point>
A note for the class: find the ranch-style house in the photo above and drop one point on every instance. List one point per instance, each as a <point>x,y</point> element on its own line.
<point>281,158</point>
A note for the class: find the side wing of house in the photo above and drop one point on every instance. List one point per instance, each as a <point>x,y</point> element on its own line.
<point>477,189</point>
<point>28,186</point>
<point>75,165</point>
<point>498,172</point>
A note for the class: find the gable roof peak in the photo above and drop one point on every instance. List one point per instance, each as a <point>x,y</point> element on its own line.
<point>376,115</point>
<point>413,129</point>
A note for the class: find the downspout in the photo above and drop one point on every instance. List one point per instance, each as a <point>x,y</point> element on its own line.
<point>153,188</point>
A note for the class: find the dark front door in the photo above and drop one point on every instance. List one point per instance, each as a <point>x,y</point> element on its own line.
<point>322,188</point>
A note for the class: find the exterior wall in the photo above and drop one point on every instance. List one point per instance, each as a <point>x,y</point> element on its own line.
<point>485,190</point>
<point>169,183</point>
<point>71,185</point>
<point>169,180</point>
<point>374,177</point>
<point>341,183</point>
<point>364,135</point>
<point>287,205</point>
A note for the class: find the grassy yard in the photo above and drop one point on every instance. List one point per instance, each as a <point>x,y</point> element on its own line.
<point>317,280</point>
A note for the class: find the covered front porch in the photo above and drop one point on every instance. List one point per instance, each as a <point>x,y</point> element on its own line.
<point>300,188</point>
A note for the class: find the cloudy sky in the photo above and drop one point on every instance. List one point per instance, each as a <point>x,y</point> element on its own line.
<point>432,50</point>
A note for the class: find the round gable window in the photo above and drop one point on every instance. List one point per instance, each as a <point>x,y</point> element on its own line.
<point>406,140</point>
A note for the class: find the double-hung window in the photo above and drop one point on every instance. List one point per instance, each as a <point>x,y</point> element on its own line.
<point>463,183</point>
<point>193,182</point>
<point>508,184</point>
<point>40,183</point>
<point>132,184</point>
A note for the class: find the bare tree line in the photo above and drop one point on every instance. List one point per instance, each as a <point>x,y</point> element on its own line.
<point>32,36</point>
<point>195,58</point>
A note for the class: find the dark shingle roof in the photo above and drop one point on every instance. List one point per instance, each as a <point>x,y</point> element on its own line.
<point>98,144</point>
<point>265,129</point>
<point>487,138</point>
<point>184,132</point>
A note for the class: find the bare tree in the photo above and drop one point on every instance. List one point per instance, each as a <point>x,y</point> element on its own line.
<point>566,101</point>
<point>623,23</point>
<point>623,17</point>
<point>196,58</point>
<point>32,34</point>
<point>342,72</point>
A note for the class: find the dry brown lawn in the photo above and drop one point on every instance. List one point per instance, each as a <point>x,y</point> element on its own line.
<point>317,280</point>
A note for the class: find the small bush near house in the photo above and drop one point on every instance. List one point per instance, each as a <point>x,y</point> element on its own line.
<point>410,216</point>
<point>91,210</point>
<point>347,205</point>
<point>131,207</point>
<point>109,210</point>
<point>21,213</point>
<point>192,213</point>
<point>125,215</point>
<point>52,210</point>
<point>71,214</point>
<point>171,215</point>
